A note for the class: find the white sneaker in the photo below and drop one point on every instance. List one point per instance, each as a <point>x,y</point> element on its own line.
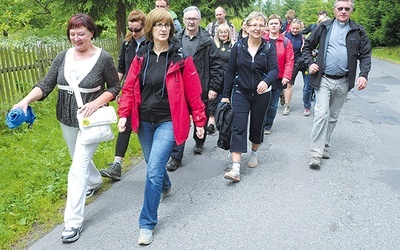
<point>253,162</point>
<point>286,109</point>
<point>145,236</point>
<point>233,175</point>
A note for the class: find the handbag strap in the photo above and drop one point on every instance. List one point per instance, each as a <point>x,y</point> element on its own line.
<point>70,74</point>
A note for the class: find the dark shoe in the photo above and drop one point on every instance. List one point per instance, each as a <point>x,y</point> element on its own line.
<point>211,129</point>
<point>113,172</point>
<point>173,164</point>
<point>326,154</point>
<point>90,192</point>
<point>71,234</point>
<point>315,163</point>
<point>197,149</point>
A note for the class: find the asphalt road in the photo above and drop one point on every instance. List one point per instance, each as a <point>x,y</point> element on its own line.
<point>353,202</point>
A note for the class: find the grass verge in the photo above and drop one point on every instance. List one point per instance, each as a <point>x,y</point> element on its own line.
<point>33,175</point>
<point>391,54</point>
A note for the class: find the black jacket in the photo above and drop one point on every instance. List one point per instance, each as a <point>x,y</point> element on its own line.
<point>358,48</point>
<point>207,62</point>
<point>245,73</point>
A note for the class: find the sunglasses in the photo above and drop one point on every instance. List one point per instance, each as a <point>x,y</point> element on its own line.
<point>345,8</point>
<point>135,30</point>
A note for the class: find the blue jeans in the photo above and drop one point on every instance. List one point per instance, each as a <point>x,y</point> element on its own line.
<point>157,141</point>
<point>273,106</point>
<point>307,90</point>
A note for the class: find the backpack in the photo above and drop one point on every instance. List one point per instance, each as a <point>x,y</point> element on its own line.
<point>223,122</point>
<point>213,27</point>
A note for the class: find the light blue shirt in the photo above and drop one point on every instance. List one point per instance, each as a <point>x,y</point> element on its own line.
<point>336,54</point>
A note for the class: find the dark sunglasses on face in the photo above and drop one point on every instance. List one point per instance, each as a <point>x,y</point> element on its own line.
<point>135,30</point>
<point>345,8</point>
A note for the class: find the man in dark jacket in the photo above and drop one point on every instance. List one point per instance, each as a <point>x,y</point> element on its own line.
<point>340,42</point>
<point>196,41</point>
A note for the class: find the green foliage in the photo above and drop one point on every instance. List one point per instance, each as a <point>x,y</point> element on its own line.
<point>380,19</point>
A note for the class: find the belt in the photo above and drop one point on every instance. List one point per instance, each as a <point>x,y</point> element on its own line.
<point>335,77</point>
<point>82,90</point>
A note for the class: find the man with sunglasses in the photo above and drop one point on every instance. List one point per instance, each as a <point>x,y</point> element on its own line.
<point>341,43</point>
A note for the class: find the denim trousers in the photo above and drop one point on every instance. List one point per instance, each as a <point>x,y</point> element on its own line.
<point>82,175</point>
<point>307,89</point>
<point>272,108</point>
<point>329,100</point>
<point>157,141</point>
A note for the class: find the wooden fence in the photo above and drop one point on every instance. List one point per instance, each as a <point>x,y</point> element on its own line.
<point>22,67</point>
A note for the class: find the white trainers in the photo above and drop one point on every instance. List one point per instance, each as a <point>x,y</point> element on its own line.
<point>145,236</point>
<point>253,162</point>
<point>233,175</point>
<point>286,109</point>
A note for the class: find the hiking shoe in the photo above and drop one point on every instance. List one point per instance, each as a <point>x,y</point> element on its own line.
<point>315,163</point>
<point>113,172</point>
<point>267,131</point>
<point>286,109</point>
<point>282,96</point>
<point>306,112</point>
<point>233,175</point>
<point>253,162</point>
<point>173,164</point>
<point>71,234</point>
<point>145,236</point>
<point>326,154</point>
<point>197,149</point>
<point>90,192</point>
<point>211,129</point>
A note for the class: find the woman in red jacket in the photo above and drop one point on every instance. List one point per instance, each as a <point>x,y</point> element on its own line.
<point>285,57</point>
<point>161,83</point>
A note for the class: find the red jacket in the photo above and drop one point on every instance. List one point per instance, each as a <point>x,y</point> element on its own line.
<point>285,56</point>
<point>184,90</point>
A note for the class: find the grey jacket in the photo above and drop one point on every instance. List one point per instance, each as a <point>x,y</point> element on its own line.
<point>103,74</point>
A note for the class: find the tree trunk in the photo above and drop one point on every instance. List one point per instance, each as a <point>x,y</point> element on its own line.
<point>121,19</point>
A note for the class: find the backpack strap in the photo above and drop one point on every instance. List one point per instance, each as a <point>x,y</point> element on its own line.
<point>213,29</point>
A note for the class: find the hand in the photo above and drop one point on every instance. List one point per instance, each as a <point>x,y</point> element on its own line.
<point>285,81</point>
<point>212,95</point>
<point>122,124</point>
<point>361,83</point>
<point>200,132</point>
<point>314,68</point>
<point>22,105</point>
<point>262,87</point>
<point>89,108</point>
<point>225,100</point>
<point>117,99</point>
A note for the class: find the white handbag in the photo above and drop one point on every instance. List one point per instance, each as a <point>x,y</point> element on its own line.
<point>97,127</point>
